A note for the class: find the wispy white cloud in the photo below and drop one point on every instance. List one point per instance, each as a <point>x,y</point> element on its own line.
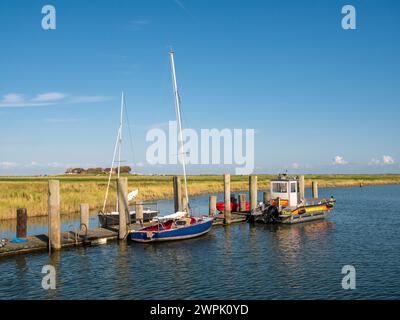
<point>7,165</point>
<point>34,164</point>
<point>56,165</point>
<point>61,120</point>
<point>88,99</point>
<point>49,97</point>
<point>374,162</point>
<point>295,165</point>
<point>31,164</point>
<point>182,6</point>
<point>339,160</point>
<point>388,160</point>
<point>385,160</point>
<point>140,22</point>
<point>15,100</point>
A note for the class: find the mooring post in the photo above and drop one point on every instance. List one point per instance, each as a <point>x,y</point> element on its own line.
<point>22,223</point>
<point>227,199</point>
<point>242,203</point>
<point>212,206</point>
<point>301,188</point>
<point>266,198</point>
<point>315,189</point>
<point>253,192</point>
<point>177,194</point>
<point>54,215</point>
<point>122,193</point>
<point>84,209</point>
<point>139,212</point>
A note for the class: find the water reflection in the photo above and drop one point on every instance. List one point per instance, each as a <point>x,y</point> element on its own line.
<point>235,262</point>
<point>54,259</point>
<point>38,225</point>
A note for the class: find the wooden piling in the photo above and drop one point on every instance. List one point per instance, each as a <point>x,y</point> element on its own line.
<point>266,198</point>
<point>212,206</point>
<point>315,189</point>
<point>242,203</point>
<point>84,209</point>
<point>301,188</point>
<point>253,192</point>
<point>22,223</point>
<point>139,212</point>
<point>227,199</point>
<point>54,224</point>
<point>177,194</point>
<point>122,193</point>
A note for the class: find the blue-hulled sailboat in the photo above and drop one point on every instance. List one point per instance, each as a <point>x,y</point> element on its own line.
<point>179,225</point>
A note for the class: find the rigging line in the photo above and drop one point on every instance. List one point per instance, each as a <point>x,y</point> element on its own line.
<point>120,140</point>
<point>130,136</point>
<point>184,154</point>
<point>111,169</point>
<point>178,114</point>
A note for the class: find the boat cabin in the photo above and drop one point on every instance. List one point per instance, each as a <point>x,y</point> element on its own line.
<point>286,189</point>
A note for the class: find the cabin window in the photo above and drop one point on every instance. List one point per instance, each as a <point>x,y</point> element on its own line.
<point>180,223</point>
<point>293,187</point>
<point>279,187</point>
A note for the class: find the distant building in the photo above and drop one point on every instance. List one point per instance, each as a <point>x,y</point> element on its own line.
<point>123,169</point>
<point>75,171</point>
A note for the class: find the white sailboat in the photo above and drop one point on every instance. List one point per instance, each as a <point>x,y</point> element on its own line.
<point>178,225</point>
<point>112,218</point>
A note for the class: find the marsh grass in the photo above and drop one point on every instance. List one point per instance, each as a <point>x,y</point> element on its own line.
<point>31,192</point>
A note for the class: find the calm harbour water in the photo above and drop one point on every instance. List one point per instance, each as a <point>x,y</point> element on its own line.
<point>238,262</point>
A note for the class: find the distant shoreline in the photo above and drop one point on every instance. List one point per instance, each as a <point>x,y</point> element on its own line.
<point>31,192</point>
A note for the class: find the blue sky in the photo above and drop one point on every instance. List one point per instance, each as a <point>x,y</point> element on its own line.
<point>321,99</point>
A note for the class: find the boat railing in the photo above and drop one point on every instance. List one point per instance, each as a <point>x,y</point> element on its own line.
<point>315,201</point>
<point>147,206</point>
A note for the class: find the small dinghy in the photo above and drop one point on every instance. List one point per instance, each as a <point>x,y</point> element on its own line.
<point>235,205</point>
<point>112,218</point>
<point>179,225</point>
<point>107,219</point>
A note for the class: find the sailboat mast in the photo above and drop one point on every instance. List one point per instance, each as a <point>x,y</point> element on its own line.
<point>117,147</point>
<point>120,141</point>
<point>178,117</point>
<point>120,133</point>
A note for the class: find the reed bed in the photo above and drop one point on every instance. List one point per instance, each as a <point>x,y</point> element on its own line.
<point>31,192</point>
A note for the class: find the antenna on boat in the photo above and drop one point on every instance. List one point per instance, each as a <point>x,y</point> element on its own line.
<point>178,117</point>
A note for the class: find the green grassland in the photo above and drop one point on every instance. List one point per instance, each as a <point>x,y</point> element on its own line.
<point>31,192</point>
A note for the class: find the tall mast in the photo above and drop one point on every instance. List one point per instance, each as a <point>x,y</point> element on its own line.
<point>178,117</point>
<point>120,133</point>
<point>117,147</point>
<point>120,140</point>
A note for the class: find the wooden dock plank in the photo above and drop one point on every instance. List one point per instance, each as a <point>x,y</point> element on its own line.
<point>68,239</point>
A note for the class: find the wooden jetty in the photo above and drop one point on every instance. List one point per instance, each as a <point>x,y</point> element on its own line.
<point>67,239</point>
<point>91,237</point>
<point>57,240</point>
